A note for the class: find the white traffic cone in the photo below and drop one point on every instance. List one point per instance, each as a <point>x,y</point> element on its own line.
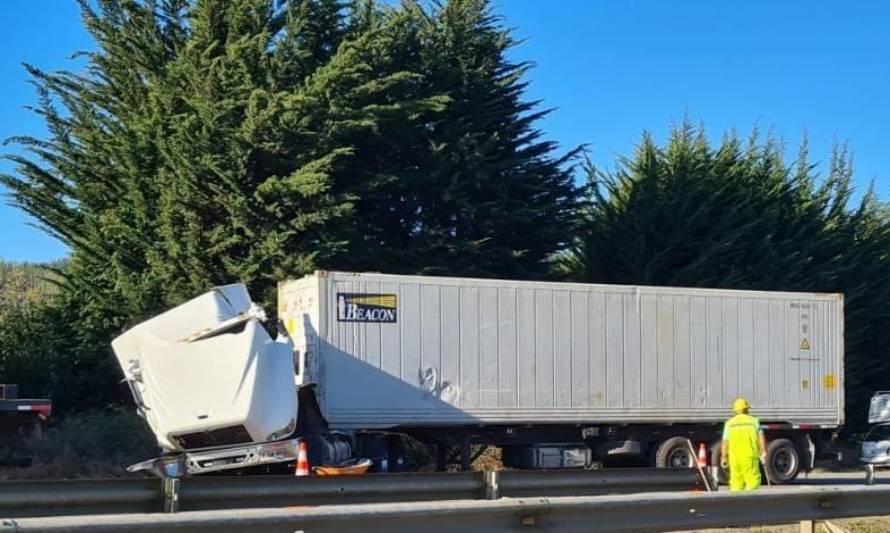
<point>302,461</point>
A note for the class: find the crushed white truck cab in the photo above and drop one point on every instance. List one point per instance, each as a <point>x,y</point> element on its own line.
<point>211,382</point>
<point>875,450</point>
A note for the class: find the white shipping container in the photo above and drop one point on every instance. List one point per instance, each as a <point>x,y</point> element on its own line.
<point>388,350</point>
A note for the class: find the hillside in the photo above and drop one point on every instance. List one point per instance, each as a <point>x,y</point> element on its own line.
<point>25,283</point>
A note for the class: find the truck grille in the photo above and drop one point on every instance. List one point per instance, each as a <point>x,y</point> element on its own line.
<point>216,437</point>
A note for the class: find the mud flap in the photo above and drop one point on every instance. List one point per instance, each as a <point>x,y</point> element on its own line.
<point>309,417</point>
<point>808,461</point>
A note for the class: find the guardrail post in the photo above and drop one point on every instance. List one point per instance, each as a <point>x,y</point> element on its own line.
<point>171,495</point>
<point>492,489</point>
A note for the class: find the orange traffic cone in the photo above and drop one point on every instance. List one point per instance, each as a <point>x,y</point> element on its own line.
<point>302,461</point>
<point>702,455</point>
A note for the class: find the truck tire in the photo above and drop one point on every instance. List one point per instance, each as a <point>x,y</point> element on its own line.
<point>782,461</point>
<point>674,453</point>
<point>722,473</point>
<point>374,446</point>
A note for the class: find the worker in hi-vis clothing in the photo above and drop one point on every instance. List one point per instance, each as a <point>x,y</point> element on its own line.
<point>743,448</point>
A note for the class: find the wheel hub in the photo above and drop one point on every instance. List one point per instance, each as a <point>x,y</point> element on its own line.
<point>679,459</point>
<point>783,463</point>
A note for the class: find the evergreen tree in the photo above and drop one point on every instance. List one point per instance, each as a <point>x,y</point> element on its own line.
<point>253,140</point>
<point>214,141</point>
<point>472,190</point>
<point>495,195</point>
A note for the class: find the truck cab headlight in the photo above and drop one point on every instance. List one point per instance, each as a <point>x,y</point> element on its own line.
<point>280,451</point>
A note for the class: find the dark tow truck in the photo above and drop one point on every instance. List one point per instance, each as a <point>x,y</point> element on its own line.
<point>18,418</point>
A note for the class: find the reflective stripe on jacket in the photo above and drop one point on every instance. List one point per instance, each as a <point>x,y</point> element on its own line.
<point>741,431</point>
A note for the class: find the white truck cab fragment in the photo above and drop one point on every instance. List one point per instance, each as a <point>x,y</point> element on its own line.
<point>875,448</point>
<point>879,410</point>
<point>206,375</point>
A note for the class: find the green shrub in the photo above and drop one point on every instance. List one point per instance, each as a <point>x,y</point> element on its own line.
<point>99,443</point>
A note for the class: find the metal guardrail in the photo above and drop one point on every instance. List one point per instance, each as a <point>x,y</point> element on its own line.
<point>637,512</point>
<point>78,497</point>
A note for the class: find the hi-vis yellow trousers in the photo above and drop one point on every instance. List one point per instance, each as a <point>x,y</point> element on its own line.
<point>744,473</point>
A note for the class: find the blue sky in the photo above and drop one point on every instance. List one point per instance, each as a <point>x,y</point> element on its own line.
<point>610,70</point>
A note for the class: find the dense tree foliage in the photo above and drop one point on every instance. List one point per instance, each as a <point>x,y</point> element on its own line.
<point>738,216</point>
<point>43,346</point>
<point>254,140</point>
<point>211,141</point>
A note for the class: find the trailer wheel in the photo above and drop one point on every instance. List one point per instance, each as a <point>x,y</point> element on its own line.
<point>782,461</point>
<point>674,453</point>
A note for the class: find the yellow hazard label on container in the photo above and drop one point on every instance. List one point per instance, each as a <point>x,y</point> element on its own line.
<point>804,344</point>
<point>829,381</point>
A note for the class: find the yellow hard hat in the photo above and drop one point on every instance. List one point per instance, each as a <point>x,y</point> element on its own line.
<point>740,405</point>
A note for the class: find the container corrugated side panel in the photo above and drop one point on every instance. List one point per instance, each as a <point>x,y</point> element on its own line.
<point>482,351</point>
